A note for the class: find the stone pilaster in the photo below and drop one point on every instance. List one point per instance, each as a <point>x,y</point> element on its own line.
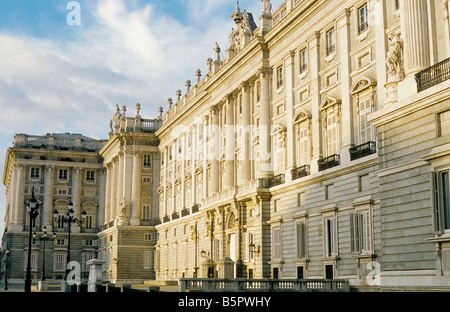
<point>47,209</point>
<point>20,199</point>
<point>414,27</point>
<point>108,201</point>
<point>290,99</point>
<point>265,151</point>
<point>76,195</point>
<point>230,140</point>
<point>136,190</point>
<point>245,171</point>
<point>214,151</point>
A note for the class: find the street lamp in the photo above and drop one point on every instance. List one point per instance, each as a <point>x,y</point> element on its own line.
<point>32,209</point>
<point>44,237</point>
<point>69,219</point>
<point>194,235</point>
<point>6,251</point>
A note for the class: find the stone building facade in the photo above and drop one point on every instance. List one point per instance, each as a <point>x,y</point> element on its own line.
<point>128,235</point>
<point>310,150</point>
<point>317,148</point>
<point>59,168</point>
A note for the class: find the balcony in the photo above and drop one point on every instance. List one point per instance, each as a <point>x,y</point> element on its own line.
<point>329,162</point>
<point>195,208</point>
<point>433,75</point>
<point>276,180</point>
<point>185,212</point>
<point>300,172</point>
<point>363,150</point>
<point>175,215</point>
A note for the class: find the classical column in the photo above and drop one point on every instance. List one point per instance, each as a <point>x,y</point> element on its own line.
<point>414,26</point>
<point>245,171</point>
<point>314,63</point>
<point>120,194</point>
<point>114,197</point>
<point>108,201</point>
<point>20,196</point>
<point>265,150</point>
<point>102,198</point>
<point>346,128</point>
<point>47,209</point>
<point>290,102</point>
<point>229,151</point>
<point>128,178</point>
<point>76,193</point>
<point>136,190</point>
<point>447,25</point>
<point>380,46</point>
<point>214,151</point>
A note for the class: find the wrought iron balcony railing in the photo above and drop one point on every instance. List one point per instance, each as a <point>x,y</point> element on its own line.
<point>362,150</point>
<point>433,75</point>
<point>329,162</point>
<point>300,172</point>
<point>276,180</point>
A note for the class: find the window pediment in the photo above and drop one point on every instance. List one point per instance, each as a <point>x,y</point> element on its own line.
<point>329,102</point>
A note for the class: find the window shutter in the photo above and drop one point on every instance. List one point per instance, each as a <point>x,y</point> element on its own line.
<point>301,240</point>
<point>276,244</point>
<point>438,227</point>
<point>354,233</point>
<point>335,237</point>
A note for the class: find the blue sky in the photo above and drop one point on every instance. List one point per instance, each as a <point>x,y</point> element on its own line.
<point>56,77</point>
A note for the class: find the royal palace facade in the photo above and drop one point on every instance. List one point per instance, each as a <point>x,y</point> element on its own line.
<point>318,147</point>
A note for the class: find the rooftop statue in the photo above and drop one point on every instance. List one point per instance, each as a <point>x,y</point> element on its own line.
<point>267,6</point>
<point>217,51</point>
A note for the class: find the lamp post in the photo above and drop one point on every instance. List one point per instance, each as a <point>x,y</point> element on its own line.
<point>69,219</point>
<point>32,209</point>
<point>6,251</point>
<point>194,234</point>
<point>44,237</point>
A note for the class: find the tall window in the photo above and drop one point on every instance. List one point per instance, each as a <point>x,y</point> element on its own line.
<point>280,80</point>
<point>248,240</point>
<point>365,128</point>
<point>360,232</point>
<point>303,136</point>
<point>441,201</point>
<point>60,262</point>
<point>331,237</point>
<point>444,123</point>
<point>147,162</point>
<point>300,229</point>
<point>276,243</point>
<point>331,133</point>
<point>89,222</point>
<point>279,142</point>
<point>303,61</point>
<point>363,19</point>
<point>331,41</point>
<point>35,172</point>
<point>148,259</point>
<point>90,176</point>
<point>63,175</point>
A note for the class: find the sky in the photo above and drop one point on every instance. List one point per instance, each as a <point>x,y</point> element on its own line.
<point>64,65</point>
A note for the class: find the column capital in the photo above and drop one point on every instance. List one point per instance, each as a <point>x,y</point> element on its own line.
<point>265,72</point>
<point>214,109</point>
<point>245,86</point>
